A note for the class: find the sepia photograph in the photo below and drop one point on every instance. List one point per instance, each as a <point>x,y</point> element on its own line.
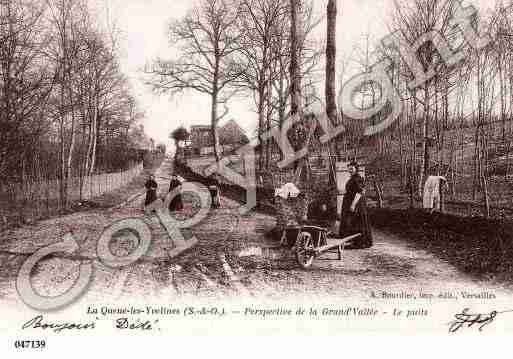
<point>255,167</point>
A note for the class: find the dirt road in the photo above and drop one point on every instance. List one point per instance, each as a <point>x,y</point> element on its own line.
<point>231,260</point>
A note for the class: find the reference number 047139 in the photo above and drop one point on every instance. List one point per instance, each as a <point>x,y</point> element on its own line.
<point>30,344</point>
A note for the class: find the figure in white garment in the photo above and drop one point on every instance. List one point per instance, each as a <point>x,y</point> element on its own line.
<point>432,192</point>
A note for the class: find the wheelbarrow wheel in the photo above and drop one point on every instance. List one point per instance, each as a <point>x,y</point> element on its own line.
<point>304,250</point>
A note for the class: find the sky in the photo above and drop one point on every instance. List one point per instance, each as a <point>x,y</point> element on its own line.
<point>143,24</point>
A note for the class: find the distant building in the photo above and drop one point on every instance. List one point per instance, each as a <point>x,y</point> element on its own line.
<point>201,140</point>
<point>231,136</point>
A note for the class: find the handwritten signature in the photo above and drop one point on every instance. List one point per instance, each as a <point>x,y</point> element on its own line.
<point>40,323</point>
<point>466,319</point>
<point>124,323</point>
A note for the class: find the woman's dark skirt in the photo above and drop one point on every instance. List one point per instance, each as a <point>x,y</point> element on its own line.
<point>356,222</point>
<point>176,203</point>
<point>151,196</point>
<point>214,195</point>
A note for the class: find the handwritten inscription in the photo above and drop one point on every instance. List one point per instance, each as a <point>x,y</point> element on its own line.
<point>40,323</point>
<point>466,319</point>
<point>126,323</point>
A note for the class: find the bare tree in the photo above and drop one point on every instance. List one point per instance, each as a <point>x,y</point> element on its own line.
<point>309,58</point>
<point>209,39</point>
<point>259,26</point>
<point>65,18</point>
<point>413,20</point>
<point>65,104</point>
<point>25,84</point>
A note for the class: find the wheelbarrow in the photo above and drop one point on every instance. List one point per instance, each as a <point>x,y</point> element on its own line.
<point>310,242</point>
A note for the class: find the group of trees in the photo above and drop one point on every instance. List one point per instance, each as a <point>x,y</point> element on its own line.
<point>231,47</point>
<point>458,122</point>
<point>66,108</point>
<point>266,48</point>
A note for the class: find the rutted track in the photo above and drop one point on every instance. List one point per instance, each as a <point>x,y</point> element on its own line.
<point>213,268</point>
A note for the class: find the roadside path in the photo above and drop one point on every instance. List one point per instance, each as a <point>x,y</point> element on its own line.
<point>215,268</point>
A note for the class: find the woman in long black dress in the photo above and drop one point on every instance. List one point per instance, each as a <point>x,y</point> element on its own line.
<point>354,217</point>
<point>213,188</point>
<point>151,190</point>
<point>176,203</point>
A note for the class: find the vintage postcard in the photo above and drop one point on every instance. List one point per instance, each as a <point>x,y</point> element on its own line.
<point>255,167</point>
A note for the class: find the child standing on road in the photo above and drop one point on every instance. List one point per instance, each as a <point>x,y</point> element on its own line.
<point>151,190</point>
<point>176,203</point>
<point>213,187</point>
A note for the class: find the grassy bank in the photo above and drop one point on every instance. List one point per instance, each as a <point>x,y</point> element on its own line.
<point>475,245</point>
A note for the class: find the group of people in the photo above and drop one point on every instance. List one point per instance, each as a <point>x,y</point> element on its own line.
<point>151,185</point>
<point>351,219</point>
<point>175,184</point>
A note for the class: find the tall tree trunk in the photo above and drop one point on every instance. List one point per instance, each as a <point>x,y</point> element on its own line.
<point>445,124</point>
<point>62,157</point>
<point>269,99</point>
<point>215,132</point>
<point>295,74</point>
<point>401,152</point>
<point>486,198</point>
<point>95,127</point>
<point>296,110</point>
<point>62,154</point>
<point>84,166</point>
<point>215,99</point>
<point>424,167</point>
<point>331,54</point>
<point>261,122</point>
<point>502,97</point>
<point>413,160</point>
<point>508,147</point>
<point>331,77</point>
<point>87,157</point>
<point>282,100</point>
<point>71,149</point>
<point>268,142</point>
